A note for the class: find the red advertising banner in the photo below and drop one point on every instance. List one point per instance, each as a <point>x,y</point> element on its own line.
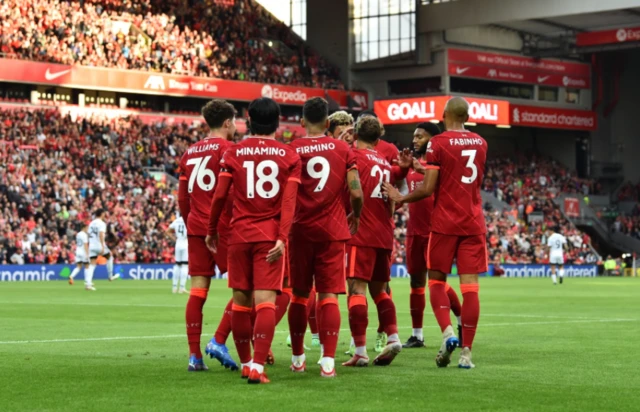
<point>132,81</point>
<point>594,38</point>
<point>571,207</point>
<point>422,109</point>
<point>517,76</point>
<point>520,69</point>
<point>553,118</point>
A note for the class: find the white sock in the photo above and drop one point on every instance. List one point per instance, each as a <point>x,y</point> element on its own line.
<point>561,273</point>
<point>448,332</point>
<point>74,273</point>
<point>417,332</point>
<point>176,276</point>
<point>459,318</point>
<point>361,350</point>
<point>327,363</point>
<point>258,368</point>
<point>110,266</point>
<point>315,336</point>
<point>321,350</point>
<point>298,360</point>
<point>393,338</point>
<point>184,274</point>
<point>553,277</point>
<point>242,365</point>
<point>353,343</point>
<point>88,276</point>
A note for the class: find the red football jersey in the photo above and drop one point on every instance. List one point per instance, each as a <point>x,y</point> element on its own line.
<point>260,169</point>
<point>376,225</point>
<point>200,166</point>
<point>320,210</point>
<point>460,156</point>
<point>419,223</point>
<point>388,150</point>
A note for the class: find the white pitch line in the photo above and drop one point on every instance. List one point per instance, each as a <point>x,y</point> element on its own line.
<point>15,342</point>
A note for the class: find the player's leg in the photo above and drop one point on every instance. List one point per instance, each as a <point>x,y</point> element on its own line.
<point>184,275</point>
<point>193,317</point>
<point>312,316</point>
<point>301,276</point>
<point>472,260</point>
<point>88,275</point>
<point>109,256</point>
<point>75,272</point>
<point>553,271</point>
<point>360,266</point>
<point>440,254</point>
<point>378,288</point>
<point>456,308</point>
<point>417,267</point>
<point>175,280</point>
<point>561,273</point>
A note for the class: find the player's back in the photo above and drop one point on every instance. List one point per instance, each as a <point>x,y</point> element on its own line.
<point>556,242</point>
<point>260,168</point>
<point>200,167</point>
<point>95,227</point>
<point>388,150</point>
<point>181,231</point>
<point>81,240</point>
<point>460,157</point>
<point>320,210</point>
<point>419,223</point>
<point>376,225</point>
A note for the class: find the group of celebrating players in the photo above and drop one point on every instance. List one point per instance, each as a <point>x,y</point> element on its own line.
<point>316,216</point>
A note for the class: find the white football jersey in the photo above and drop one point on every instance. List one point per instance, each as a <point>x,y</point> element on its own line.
<point>181,232</point>
<point>96,227</point>
<point>81,239</point>
<point>556,242</point>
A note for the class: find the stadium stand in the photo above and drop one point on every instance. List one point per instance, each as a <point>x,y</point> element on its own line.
<point>239,42</point>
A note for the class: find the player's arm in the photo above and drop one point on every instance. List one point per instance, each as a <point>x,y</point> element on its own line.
<point>101,237</point>
<point>287,212</point>
<point>427,189</point>
<point>170,232</point>
<point>356,199</point>
<point>217,207</point>
<point>183,197</point>
<point>405,161</point>
<point>86,247</point>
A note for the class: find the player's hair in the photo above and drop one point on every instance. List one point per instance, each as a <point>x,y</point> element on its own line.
<point>430,128</point>
<point>339,118</point>
<point>315,110</point>
<point>217,111</point>
<point>367,113</point>
<point>264,116</point>
<point>99,212</point>
<point>368,129</point>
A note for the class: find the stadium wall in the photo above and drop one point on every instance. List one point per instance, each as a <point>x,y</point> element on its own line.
<point>45,273</point>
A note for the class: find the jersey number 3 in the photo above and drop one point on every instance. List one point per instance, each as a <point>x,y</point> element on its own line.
<point>471,155</point>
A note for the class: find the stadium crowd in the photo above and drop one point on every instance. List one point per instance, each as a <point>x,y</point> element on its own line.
<point>195,37</point>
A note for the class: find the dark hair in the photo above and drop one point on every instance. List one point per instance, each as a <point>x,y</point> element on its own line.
<point>367,113</point>
<point>99,212</point>
<point>264,116</point>
<point>315,110</point>
<point>368,129</point>
<point>430,128</point>
<point>217,111</point>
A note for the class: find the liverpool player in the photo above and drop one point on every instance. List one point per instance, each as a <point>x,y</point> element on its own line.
<point>341,126</point>
<point>265,175</point>
<point>319,233</point>
<point>455,169</point>
<point>369,251</point>
<point>418,229</point>
<point>199,171</point>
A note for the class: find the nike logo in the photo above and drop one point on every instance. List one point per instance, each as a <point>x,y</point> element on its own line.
<point>542,79</point>
<point>51,76</point>
<point>460,70</point>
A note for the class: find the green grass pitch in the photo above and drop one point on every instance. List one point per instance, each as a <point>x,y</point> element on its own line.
<point>122,348</point>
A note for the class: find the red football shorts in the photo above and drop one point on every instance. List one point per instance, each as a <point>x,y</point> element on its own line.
<point>417,253</point>
<point>470,253</point>
<point>249,269</point>
<point>324,261</point>
<point>201,260</point>
<point>369,264</point>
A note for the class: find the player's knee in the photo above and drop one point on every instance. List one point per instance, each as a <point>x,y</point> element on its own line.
<point>301,293</point>
<point>437,275</point>
<point>418,281</point>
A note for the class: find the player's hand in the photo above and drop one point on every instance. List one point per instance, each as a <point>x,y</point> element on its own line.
<point>276,253</point>
<point>405,159</point>
<point>354,223</point>
<point>418,167</point>
<point>211,242</point>
<point>391,192</point>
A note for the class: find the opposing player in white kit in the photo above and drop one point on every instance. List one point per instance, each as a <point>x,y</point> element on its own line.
<point>98,247</point>
<point>181,268</point>
<point>557,244</point>
<point>82,255</point>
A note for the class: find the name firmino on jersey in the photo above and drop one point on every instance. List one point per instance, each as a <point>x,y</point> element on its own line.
<point>261,151</point>
<point>204,148</point>
<point>322,147</point>
<point>465,142</point>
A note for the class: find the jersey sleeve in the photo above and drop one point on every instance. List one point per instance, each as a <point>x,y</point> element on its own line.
<point>173,225</point>
<point>295,170</point>
<point>352,162</point>
<point>433,154</point>
<point>226,163</point>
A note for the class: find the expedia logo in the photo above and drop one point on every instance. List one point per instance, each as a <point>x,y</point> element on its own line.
<point>621,35</point>
<point>568,81</point>
<point>283,96</point>
<point>267,91</point>
<point>154,83</point>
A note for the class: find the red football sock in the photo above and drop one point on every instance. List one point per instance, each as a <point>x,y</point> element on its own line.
<point>456,308</point>
<point>358,319</point>
<point>470,312</point>
<point>193,317</point>
<point>387,313</point>
<point>263,331</point>
<point>242,330</point>
<point>329,314</point>
<point>311,311</point>
<point>282,304</point>
<point>440,303</point>
<point>297,324</point>
<point>417,303</point>
<point>224,327</point>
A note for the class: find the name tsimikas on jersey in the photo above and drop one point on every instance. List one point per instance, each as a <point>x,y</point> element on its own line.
<point>261,151</point>
<point>204,148</point>
<point>378,160</point>
<point>320,147</point>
